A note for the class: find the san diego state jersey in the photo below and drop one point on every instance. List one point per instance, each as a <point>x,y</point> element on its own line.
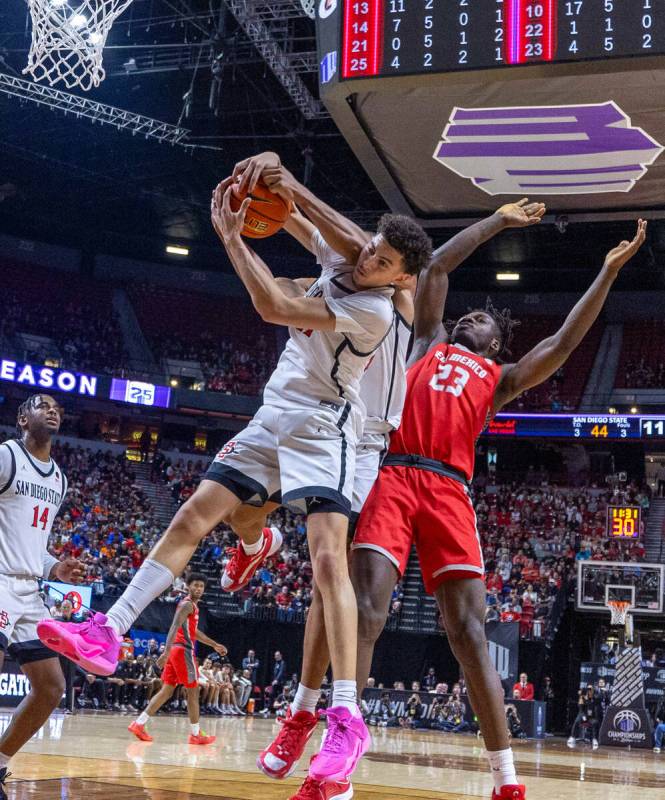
<point>186,634</point>
<point>31,493</point>
<point>449,397</point>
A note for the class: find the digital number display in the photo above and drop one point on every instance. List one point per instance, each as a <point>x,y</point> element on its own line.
<point>623,522</point>
<point>406,37</point>
<point>140,393</point>
<point>578,426</point>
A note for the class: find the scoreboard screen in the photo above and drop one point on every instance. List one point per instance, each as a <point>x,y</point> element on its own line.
<point>578,426</point>
<point>407,37</point>
<point>623,522</point>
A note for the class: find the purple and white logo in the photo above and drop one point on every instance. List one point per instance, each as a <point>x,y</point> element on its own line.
<point>577,149</point>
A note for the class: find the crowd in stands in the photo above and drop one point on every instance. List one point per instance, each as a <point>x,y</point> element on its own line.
<point>532,538</point>
<point>643,375</point>
<point>105,520</point>
<point>234,358</point>
<point>77,316</point>
<point>641,363</point>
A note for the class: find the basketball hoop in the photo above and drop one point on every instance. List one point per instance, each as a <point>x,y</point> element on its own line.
<point>309,7</point>
<point>619,611</point>
<point>68,37</point>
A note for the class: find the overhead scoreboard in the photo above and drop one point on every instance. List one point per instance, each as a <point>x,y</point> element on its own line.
<point>449,104</point>
<point>578,426</point>
<point>401,37</point>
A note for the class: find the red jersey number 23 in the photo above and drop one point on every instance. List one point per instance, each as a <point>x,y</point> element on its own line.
<point>450,379</point>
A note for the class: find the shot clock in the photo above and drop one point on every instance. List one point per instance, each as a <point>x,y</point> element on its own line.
<point>623,522</point>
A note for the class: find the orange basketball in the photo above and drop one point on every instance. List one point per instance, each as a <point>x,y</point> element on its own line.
<point>266,214</point>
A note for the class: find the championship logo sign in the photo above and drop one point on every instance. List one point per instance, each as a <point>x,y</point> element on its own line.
<point>576,149</point>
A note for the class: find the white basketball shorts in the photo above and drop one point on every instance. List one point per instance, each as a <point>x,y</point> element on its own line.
<point>303,458</point>
<point>21,608</point>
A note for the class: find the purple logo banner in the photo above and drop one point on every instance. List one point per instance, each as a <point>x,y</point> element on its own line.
<point>540,150</point>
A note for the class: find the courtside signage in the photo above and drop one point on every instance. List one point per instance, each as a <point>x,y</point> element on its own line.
<point>42,377</point>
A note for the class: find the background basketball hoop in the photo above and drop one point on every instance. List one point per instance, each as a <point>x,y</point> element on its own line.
<point>620,611</point>
<point>68,39</point>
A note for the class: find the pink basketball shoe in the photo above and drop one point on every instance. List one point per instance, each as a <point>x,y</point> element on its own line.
<point>346,741</point>
<point>93,644</point>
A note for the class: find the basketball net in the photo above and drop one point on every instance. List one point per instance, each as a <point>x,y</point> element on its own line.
<point>619,610</point>
<point>309,7</point>
<point>68,39</point>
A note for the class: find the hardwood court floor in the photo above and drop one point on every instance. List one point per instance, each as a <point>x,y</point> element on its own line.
<point>93,757</point>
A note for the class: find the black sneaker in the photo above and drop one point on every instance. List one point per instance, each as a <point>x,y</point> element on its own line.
<point>4,774</point>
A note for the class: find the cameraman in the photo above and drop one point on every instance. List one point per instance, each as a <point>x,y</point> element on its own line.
<point>385,716</point>
<point>414,713</point>
<point>588,713</point>
<point>513,720</point>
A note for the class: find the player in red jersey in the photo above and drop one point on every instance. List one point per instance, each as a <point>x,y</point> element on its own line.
<point>455,384</point>
<point>179,664</point>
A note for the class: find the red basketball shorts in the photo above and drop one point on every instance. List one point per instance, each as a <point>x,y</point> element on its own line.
<point>181,669</point>
<point>410,506</point>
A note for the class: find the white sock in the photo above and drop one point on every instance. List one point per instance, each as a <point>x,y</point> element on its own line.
<point>4,760</point>
<point>503,768</point>
<point>305,699</point>
<point>149,582</point>
<point>345,694</point>
<point>195,728</point>
<point>142,718</point>
<point>253,549</point>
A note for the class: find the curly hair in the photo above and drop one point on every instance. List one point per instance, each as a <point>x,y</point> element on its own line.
<point>506,325</point>
<point>504,322</point>
<point>23,409</point>
<point>409,239</point>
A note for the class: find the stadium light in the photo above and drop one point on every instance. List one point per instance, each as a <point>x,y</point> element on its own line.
<point>634,410</point>
<point>177,250</point>
<point>611,410</point>
<point>79,20</point>
<point>174,383</point>
<point>507,276</point>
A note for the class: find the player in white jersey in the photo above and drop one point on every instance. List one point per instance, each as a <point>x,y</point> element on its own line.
<point>301,443</point>
<point>32,488</point>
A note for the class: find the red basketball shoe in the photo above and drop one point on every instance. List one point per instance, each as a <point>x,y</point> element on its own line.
<point>241,568</point>
<point>139,731</point>
<point>201,738</point>
<point>318,790</point>
<point>281,757</point>
<point>517,792</point>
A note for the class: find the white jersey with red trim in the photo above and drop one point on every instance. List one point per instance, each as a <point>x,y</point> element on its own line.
<point>31,493</point>
<point>324,368</point>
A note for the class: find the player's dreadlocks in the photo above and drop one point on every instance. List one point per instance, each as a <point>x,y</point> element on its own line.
<point>506,325</point>
<point>504,322</point>
<point>23,409</point>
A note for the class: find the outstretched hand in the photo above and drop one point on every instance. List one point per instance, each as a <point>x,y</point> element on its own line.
<point>623,252</point>
<point>521,214</point>
<point>226,222</point>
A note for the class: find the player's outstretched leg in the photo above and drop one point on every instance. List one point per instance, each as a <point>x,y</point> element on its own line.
<point>47,684</point>
<point>280,758</point>
<point>347,737</point>
<point>462,603</point>
<point>95,644</point>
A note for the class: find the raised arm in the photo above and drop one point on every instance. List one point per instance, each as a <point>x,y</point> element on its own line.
<point>433,282</point>
<point>272,304</point>
<point>339,232</point>
<point>550,354</point>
